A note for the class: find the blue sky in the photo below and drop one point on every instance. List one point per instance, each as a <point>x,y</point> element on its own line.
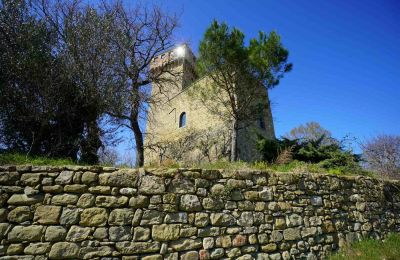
<point>346,57</point>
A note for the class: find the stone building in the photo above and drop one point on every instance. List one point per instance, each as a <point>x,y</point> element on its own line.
<point>181,128</point>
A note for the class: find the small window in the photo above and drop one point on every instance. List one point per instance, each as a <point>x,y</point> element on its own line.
<point>182,120</point>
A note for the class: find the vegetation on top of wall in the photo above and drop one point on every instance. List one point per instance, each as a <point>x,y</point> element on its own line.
<point>371,249</point>
<point>20,159</point>
<point>310,145</point>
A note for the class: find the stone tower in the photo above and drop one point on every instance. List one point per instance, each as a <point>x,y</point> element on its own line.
<point>181,128</point>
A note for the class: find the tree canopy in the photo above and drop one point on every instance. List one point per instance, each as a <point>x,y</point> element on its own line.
<point>238,72</point>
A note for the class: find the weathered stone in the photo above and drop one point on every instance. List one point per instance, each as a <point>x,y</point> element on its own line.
<point>266,194</point>
<point>75,188</point>
<point>8,178</point>
<point>20,214</point>
<point>141,234</point>
<point>219,190</point>
<point>47,214</point>
<point>37,248</point>
<point>152,217</point>
<point>268,248</point>
<point>25,233</point>
<point>131,248</point>
<point>213,204</point>
<point>94,217</point>
<point>178,217</point>
<point>294,220</point>
<point>121,217</point>
<point>64,250</point>
<point>4,214</point>
<point>89,178</point>
<point>165,232</point>
<point>201,219</point>
<point>15,249</point>
<point>188,232</point>
<point>55,233</point>
<point>190,255</point>
<point>251,195</point>
<point>69,216</point>
<point>208,242</point>
<point>30,179</point>
<point>222,219</point>
<point>100,190</point>
<point>246,219</point>
<point>236,184</point>
<point>64,199</point>
<point>190,203</point>
<point>279,224</point>
<point>53,189</point>
<point>316,201</point>
<point>65,177</point>
<point>291,234</point>
<point>86,200</point>
<point>208,232</point>
<point>29,191</point>
<point>181,186</point>
<point>100,233</point>
<point>153,257</point>
<point>94,252</point>
<point>239,240</point>
<point>120,233</point>
<point>139,201</point>
<point>23,199</point>
<point>223,241</point>
<point>4,228</point>
<point>217,253</point>
<point>186,244</point>
<point>151,185</point>
<point>233,253</point>
<point>120,178</point>
<point>276,236</point>
<point>111,201</point>
<point>78,234</point>
<point>308,232</point>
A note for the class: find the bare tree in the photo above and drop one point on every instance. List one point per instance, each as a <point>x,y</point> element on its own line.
<point>382,154</point>
<point>139,35</point>
<point>311,131</point>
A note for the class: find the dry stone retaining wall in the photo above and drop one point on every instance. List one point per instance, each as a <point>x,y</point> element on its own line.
<point>107,213</point>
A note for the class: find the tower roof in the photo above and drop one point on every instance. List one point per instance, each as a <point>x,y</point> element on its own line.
<point>178,52</point>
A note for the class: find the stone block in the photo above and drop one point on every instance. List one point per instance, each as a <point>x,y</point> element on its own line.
<point>20,214</point>
<point>165,232</point>
<point>47,214</point>
<point>93,217</point>
<point>64,250</point>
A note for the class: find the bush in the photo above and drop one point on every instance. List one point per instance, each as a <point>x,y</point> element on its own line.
<point>327,157</point>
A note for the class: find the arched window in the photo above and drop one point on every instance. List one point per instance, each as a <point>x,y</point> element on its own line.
<point>182,119</point>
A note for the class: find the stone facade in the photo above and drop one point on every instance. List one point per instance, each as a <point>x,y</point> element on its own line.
<point>107,213</point>
<point>164,132</point>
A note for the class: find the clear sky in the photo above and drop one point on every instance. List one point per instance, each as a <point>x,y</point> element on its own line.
<point>346,57</point>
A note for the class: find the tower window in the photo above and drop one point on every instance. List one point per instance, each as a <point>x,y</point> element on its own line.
<point>182,119</point>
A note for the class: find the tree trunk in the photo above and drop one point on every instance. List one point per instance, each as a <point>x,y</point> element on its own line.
<point>139,143</point>
<point>234,140</point>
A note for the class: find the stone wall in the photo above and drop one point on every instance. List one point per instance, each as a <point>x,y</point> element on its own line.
<point>106,213</point>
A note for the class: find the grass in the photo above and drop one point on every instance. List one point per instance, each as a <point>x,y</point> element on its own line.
<point>371,250</point>
<point>294,166</point>
<point>20,159</point>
